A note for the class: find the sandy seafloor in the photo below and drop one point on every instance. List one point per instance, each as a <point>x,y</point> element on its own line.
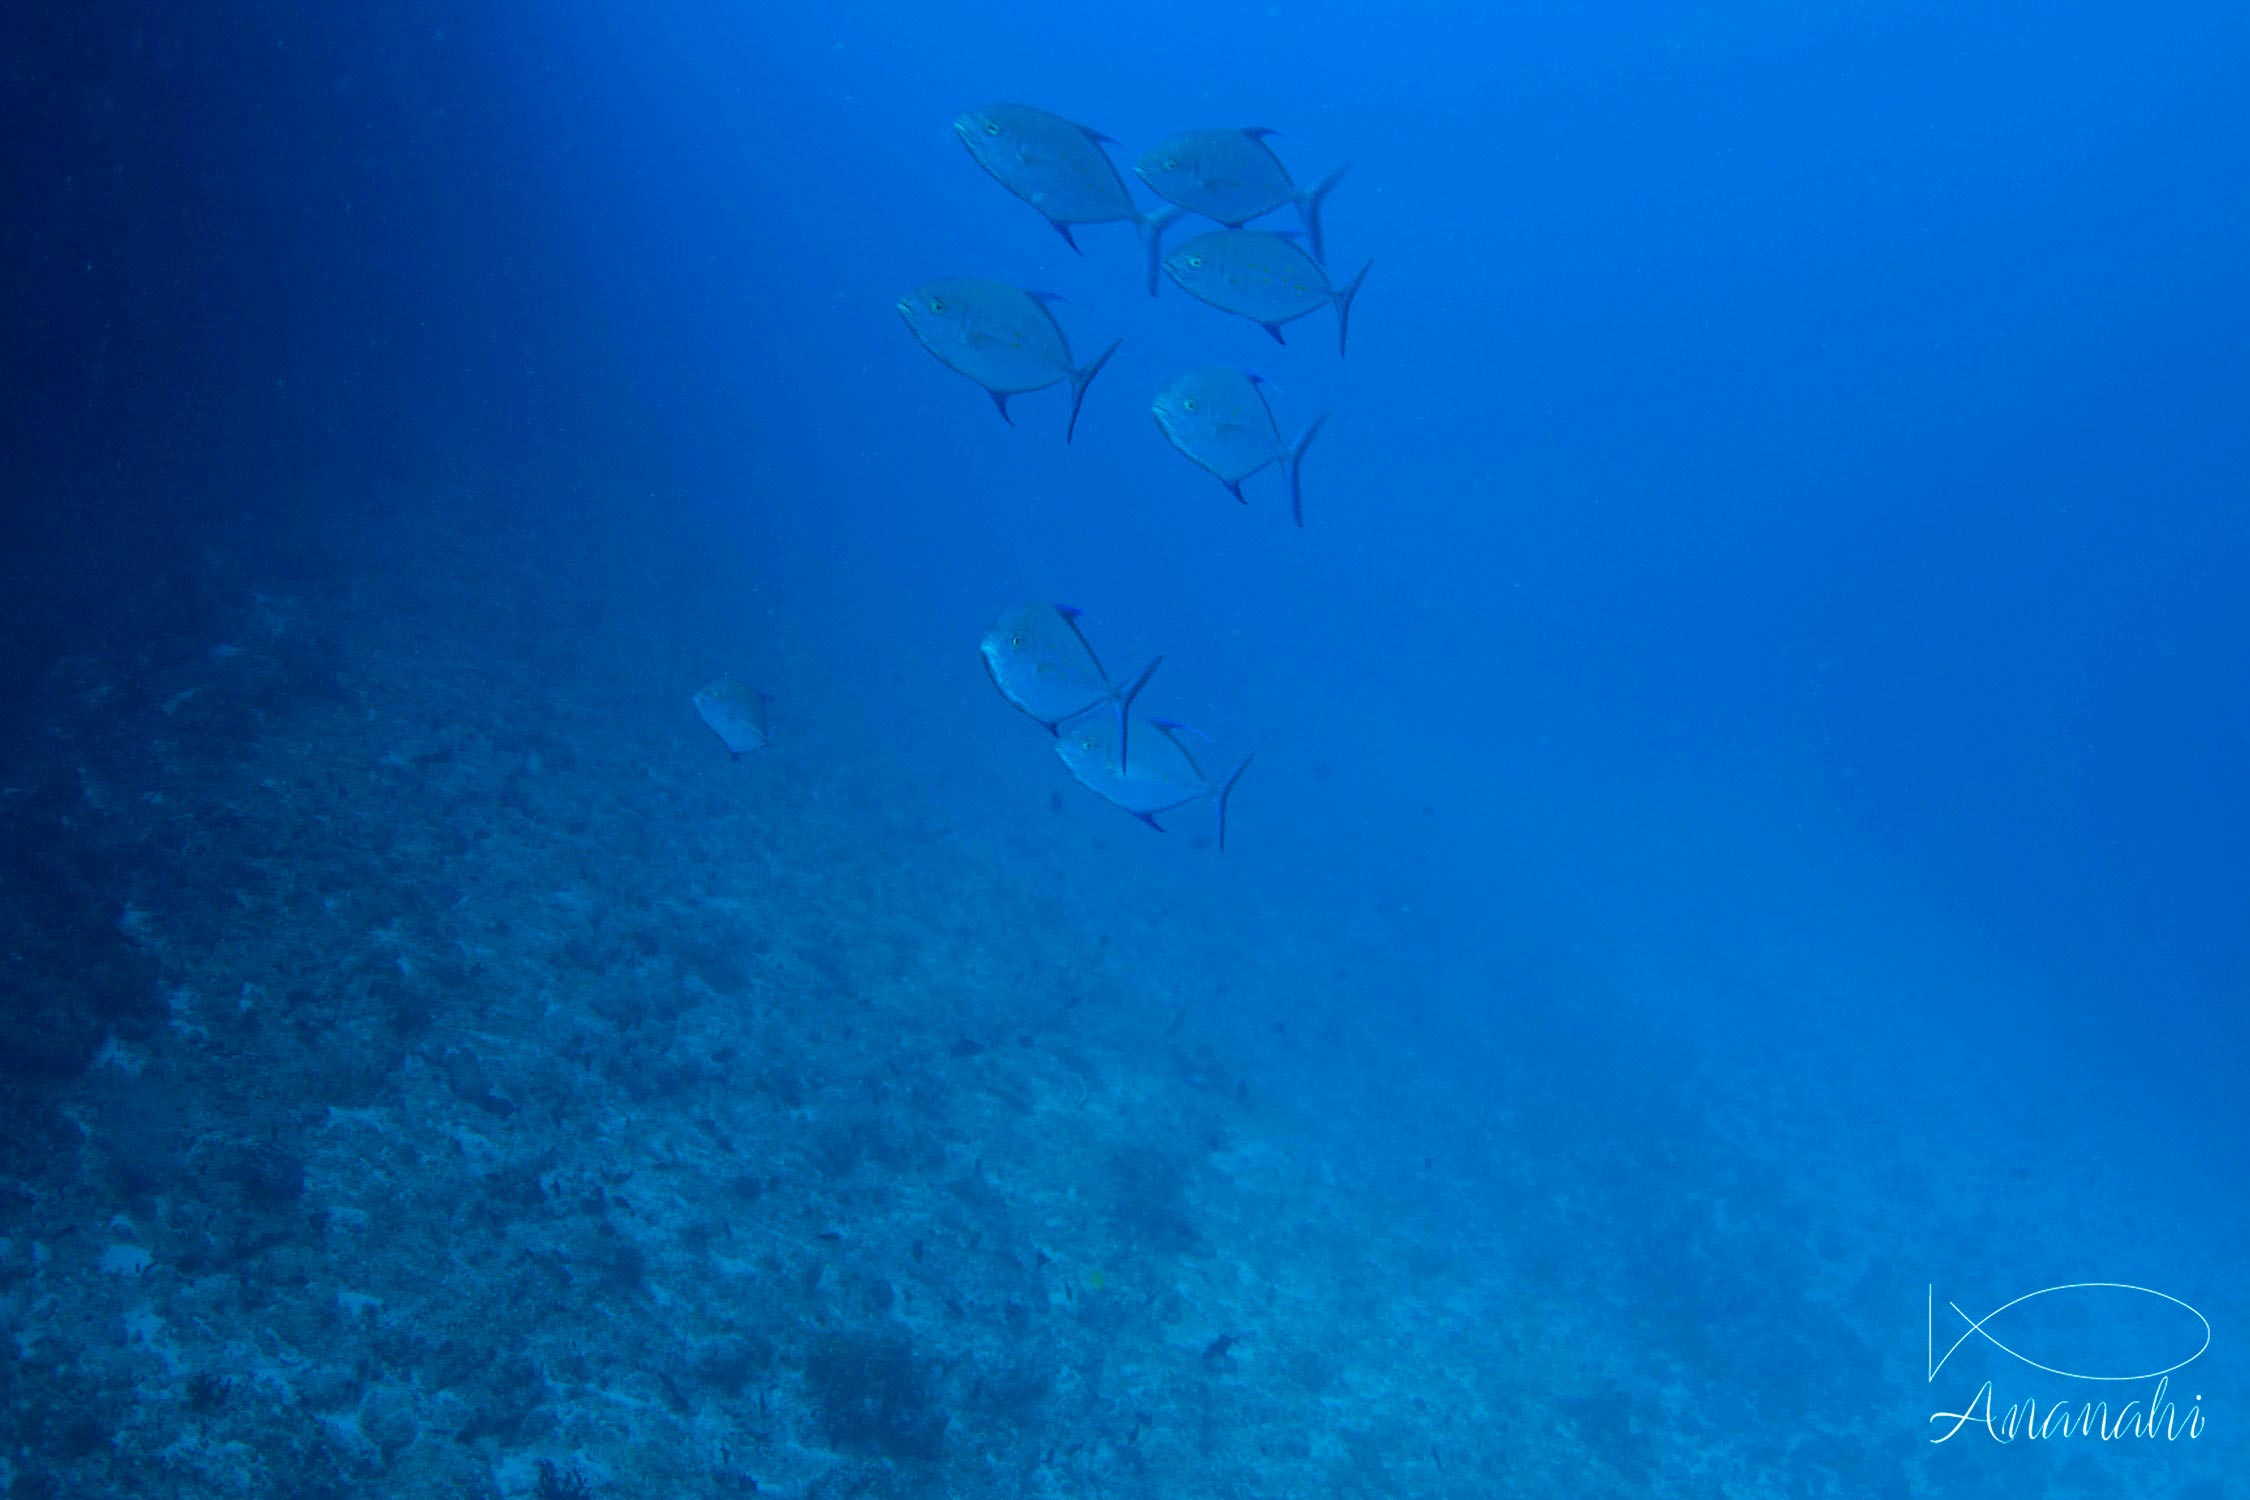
<point>435,1070</point>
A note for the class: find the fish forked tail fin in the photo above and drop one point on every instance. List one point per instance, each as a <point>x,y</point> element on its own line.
<point>1152,237</point>
<point>1344,307</point>
<point>1221,792</point>
<point>1296,462</point>
<point>1308,209</point>
<point>1123,697</point>
<point>1082,377</point>
<point>1217,791</point>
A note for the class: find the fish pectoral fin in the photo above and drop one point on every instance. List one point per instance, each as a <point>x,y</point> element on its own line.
<point>1000,399</point>
<point>1234,488</point>
<point>1275,330</point>
<point>1150,820</point>
<point>1064,230</point>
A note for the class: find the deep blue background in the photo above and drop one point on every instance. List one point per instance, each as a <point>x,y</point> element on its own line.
<point>1785,507</point>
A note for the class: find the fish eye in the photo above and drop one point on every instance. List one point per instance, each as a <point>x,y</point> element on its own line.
<point>1195,262</point>
<point>992,127</point>
<point>1171,164</point>
<point>937,304</point>
<point>1189,403</point>
<point>1016,641</point>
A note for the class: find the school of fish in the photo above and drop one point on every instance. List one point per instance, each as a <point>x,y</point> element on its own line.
<point>1009,341</point>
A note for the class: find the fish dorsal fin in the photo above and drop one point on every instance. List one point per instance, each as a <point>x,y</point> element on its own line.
<point>1071,615</point>
<point>1259,383</point>
<point>1044,298</point>
<point>1097,137</point>
<point>1258,132</point>
<point>1172,729</point>
<point>762,714</point>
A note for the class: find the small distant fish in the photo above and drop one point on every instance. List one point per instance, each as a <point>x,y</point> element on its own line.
<point>1262,277</point>
<point>1003,338</point>
<point>736,713</point>
<point>1233,176</point>
<point>1038,656</point>
<point>1220,418</point>
<point>1164,775</point>
<point>1058,167</point>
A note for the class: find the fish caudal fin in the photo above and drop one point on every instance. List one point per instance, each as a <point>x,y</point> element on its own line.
<point>1308,209</point>
<point>1082,377</point>
<point>1223,792</point>
<point>1296,461</point>
<point>1152,233</point>
<point>1344,307</point>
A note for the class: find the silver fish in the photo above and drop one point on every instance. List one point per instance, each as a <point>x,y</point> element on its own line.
<point>1003,338</point>
<point>1164,776</point>
<point>1038,656</point>
<point>1220,418</point>
<point>1058,167</point>
<point>1262,277</point>
<point>1233,176</point>
<point>736,713</point>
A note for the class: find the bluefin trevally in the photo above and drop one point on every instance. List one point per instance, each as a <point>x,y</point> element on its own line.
<point>1262,277</point>
<point>1003,338</point>
<point>1233,176</point>
<point>1164,776</point>
<point>1220,418</point>
<point>736,713</point>
<point>1058,167</point>
<point>1039,658</point>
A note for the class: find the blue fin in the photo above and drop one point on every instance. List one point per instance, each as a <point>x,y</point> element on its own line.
<point>1152,230</point>
<point>1234,488</point>
<point>1226,791</point>
<point>1308,208</point>
<point>1097,137</point>
<point>1043,298</point>
<point>1081,378</point>
<point>1259,132</point>
<point>1064,230</point>
<point>1275,330</point>
<point>1296,461</point>
<point>1259,383</point>
<point>1124,700</point>
<point>1072,614</point>
<point>1000,399</point>
<point>1172,729</point>
<point>1150,820</point>
<point>1344,307</point>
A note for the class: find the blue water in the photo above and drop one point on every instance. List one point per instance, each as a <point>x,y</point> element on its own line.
<point>1740,881</point>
